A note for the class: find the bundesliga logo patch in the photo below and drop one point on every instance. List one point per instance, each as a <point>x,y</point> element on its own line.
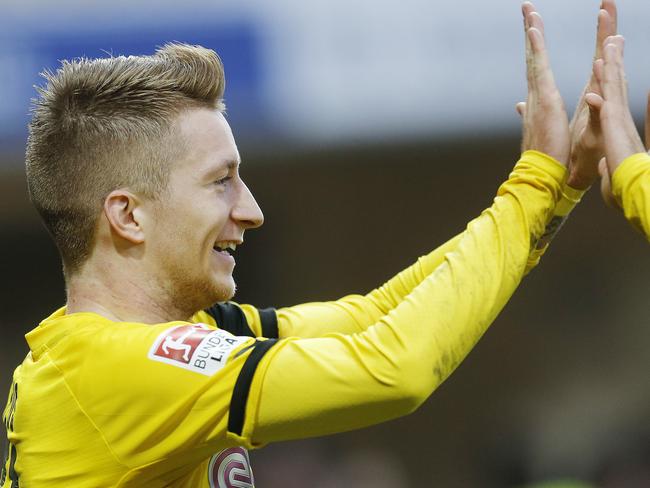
<point>197,347</point>
<point>231,468</point>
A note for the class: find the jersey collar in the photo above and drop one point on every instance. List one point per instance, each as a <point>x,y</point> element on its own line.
<point>55,327</point>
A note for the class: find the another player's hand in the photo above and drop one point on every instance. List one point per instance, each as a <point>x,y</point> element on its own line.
<point>603,169</point>
<point>587,145</point>
<point>611,101</point>
<point>546,126</point>
<point>609,98</point>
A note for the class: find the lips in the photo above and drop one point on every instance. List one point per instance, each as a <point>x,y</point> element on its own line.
<point>226,246</point>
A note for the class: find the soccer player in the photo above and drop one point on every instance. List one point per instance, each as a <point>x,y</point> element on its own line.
<point>149,376</point>
<point>626,167</point>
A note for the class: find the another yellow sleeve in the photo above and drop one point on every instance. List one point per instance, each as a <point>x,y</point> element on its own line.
<point>569,198</point>
<point>310,387</point>
<point>631,186</point>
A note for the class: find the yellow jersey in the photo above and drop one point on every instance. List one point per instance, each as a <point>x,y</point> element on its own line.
<point>631,186</point>
<point>98,403</point>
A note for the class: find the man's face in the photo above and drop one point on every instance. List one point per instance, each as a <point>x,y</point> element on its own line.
<point>205,210</point>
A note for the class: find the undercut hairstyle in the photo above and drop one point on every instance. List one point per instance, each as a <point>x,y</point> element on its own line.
<point>99,125</point>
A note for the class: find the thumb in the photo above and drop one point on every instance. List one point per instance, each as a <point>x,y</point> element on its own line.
<point>595,103</point>
<point>603,170</point>
<point>521,109</point>
<point>606,185</point>
<point>594,116</point>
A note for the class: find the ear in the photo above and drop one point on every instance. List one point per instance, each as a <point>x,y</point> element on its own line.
<point>122,210</point>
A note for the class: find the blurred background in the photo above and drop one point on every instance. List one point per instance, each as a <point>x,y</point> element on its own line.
<point>370,133</point>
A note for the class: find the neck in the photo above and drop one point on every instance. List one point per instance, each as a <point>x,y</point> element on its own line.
<point>119,297</point>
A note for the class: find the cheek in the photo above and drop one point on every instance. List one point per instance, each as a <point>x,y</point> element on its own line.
<point>170,235</point>
<point>195,222</point>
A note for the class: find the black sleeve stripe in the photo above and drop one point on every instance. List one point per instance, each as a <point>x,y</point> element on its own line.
<point>269,321</point>
<point>231,318</point>
<point>13,476</point>
<point>243,385</point>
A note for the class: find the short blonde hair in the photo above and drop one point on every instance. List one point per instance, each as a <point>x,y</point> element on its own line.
<point>103,124</point>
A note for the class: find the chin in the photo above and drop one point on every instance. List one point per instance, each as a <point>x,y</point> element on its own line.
<point>223,290</point>
<point>195,295</point>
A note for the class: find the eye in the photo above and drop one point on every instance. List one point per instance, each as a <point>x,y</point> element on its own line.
<point>223,180</point>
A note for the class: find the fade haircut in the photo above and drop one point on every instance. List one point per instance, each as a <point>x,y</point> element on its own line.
<point>103,124</point>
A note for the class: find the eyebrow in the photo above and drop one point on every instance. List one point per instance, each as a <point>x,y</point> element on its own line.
<point>232,164</point>
<point>229,165</point>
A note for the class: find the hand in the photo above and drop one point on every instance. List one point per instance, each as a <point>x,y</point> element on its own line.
<point>545,122</point>
<point>610,100</point>
<point>603,169</point>
<point>587,145</point>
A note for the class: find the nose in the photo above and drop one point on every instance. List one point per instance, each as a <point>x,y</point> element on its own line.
<point>247,212</point>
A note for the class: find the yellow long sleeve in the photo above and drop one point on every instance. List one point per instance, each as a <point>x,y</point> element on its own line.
<point>309,387</point>
<point>631,186</point>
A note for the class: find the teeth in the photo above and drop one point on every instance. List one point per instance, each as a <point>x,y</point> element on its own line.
<point>226,245</point>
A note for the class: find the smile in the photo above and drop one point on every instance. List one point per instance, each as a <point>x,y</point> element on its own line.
<point>225,246</point>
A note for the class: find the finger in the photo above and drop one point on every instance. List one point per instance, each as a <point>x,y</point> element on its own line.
<point>604,30</point>
<point>526,9</point>
<point>521,109</point>
<point>594,116</point>
<point>610,7</point>
<point>607,23</point>
<point>535,20</point>
<point>603,169</point>
<point>647,124</point>
<point>541,68</point>
<point>617,41</point>
<point>593,98</point>
<point>612,83</point>
<point>598,74</point>
<point>621,137</point>
<point>595,103</point>
<point>606,185</point>
<point>531,19</point>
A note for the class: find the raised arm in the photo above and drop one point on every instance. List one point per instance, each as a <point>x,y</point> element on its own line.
<point>586,142</point>
<point>307,387</point>
<point>355,313</point>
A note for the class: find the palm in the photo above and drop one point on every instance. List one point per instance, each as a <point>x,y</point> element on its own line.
<point>586,148</point>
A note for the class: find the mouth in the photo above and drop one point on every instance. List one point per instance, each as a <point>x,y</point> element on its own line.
<point>225,248</point>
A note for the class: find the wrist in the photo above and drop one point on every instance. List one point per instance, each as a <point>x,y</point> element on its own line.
<point>583,168</point>
<point>580,182</point>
